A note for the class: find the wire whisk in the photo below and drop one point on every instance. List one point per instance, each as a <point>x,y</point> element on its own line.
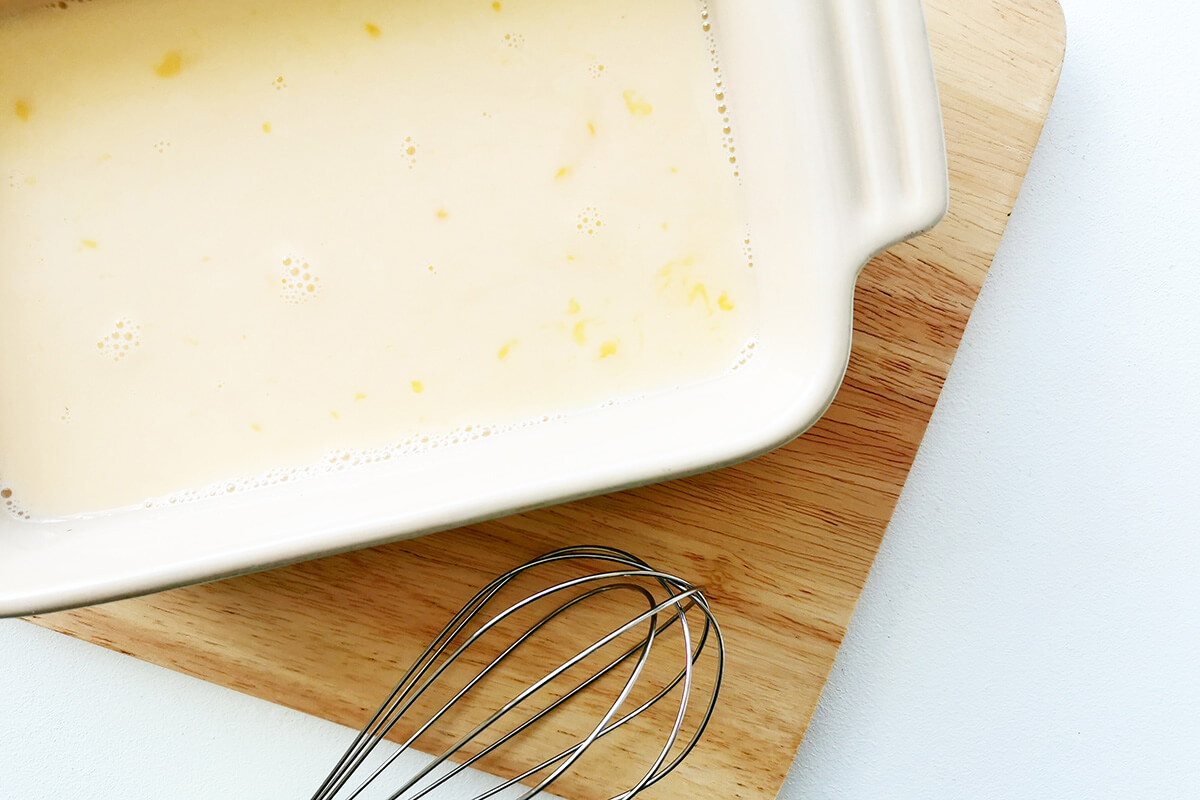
<point>644,658</point>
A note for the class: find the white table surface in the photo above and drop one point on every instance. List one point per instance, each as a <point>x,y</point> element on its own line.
<point>1032,626</point>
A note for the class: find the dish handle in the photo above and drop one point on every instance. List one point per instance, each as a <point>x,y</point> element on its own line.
<point>893,117</point>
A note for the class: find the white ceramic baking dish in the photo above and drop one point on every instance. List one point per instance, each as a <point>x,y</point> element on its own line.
<point>842,155</point>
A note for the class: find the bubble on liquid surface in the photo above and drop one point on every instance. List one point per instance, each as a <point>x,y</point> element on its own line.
<point>722,103</point>
<point>298,281</point>
<point>409,150</point>
<point>596,70</point>
<point>14,508</point>
<point>18,179</point>
<point>121,340</point>
<point>63,5</point>
<point>589,221</point>
<point>514,40</point>
<point>341,460</point>
<point>744,355</point>
<point>748,250</point>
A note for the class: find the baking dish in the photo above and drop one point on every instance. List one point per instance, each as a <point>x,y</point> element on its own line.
<point>841,155</point>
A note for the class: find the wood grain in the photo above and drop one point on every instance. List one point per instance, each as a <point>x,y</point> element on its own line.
<point>783,543</point>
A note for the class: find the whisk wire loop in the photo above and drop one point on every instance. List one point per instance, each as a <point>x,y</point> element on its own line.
<point>430,675</point>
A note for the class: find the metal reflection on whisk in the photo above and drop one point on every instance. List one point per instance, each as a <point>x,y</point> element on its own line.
<point>664,596</point>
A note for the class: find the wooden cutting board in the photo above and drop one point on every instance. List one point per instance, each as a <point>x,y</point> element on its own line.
<point>783,543</point>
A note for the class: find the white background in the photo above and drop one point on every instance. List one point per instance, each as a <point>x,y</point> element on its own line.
<point>1032,626</point>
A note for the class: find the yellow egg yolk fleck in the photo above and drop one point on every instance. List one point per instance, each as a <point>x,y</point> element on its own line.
<point>573,306</point>
<point>724,302</point>
<point>565,172</point>
<point>608,349</point>
<point>23,110</point>
<point>666,274</point>
<point>636,105</point>
<point>418,387</point>
<point>170,66</point>
<point>579,332</point>
<point>700,293</point>
<point>505,350</point>
<point>372,30</point>
<point>360,396</point>
<point>266,127</point>
<point>91,244</point>
<point>496,7</point>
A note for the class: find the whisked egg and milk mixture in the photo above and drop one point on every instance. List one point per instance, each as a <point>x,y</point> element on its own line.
<point>245,240</point>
